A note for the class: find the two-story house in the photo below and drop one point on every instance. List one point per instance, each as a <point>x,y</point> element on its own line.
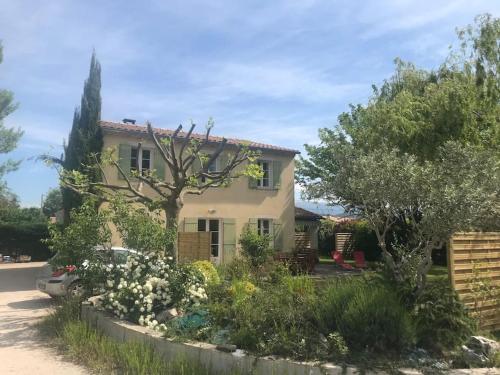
<point>265,205</point>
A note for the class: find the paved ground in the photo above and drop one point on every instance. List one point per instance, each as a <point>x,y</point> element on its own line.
<point>21,350</point>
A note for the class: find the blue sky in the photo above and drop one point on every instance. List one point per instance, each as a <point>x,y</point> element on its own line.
<point>270,71</point>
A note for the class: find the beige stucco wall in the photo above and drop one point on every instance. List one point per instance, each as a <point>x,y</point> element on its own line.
<point>237,201</point>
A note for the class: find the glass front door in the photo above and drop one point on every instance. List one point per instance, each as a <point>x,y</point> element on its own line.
<point>213,227</point>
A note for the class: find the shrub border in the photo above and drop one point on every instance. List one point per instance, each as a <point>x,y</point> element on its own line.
<point>221,362</point>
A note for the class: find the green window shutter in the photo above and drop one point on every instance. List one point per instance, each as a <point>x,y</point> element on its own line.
<point>252,183</point>
<point>277,235</point>
<point>271,233</point>
<point>124,156</point>
<point>190,224</point>
<point>223,162</point>
<point>252,225</point>
<point>159,164</point>
<point>229,237</point>
<point>276,174</point>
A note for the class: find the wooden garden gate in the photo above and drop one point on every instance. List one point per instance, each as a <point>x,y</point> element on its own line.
<point>193,246</point>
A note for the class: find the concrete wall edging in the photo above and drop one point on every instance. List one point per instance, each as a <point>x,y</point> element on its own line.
<point>221,362</point>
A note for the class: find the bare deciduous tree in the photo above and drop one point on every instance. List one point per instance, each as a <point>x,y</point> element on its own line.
<point>188,162</point>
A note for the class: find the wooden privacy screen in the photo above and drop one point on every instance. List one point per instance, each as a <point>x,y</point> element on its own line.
<point>341,239</point>
<point>474,258</point>
<point>302,240</point>
<point>193,246</point>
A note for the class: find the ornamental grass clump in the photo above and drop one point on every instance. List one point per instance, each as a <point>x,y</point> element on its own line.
<point>278,319</point>
<point>442,321</point>
<point>367,314</point>
<point>148,284</point>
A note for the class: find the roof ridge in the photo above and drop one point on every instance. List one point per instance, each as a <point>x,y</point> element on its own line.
<point>120,126</point>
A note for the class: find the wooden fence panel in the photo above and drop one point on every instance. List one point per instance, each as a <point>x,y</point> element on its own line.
<point>193,246</point>
<point>474,258</point>
<point>302,240</point>
<point>341,240</point>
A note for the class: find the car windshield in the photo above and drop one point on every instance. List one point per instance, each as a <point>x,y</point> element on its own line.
<point>106,256</point>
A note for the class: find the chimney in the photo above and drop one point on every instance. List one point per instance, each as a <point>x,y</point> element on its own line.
<point>128,121</point>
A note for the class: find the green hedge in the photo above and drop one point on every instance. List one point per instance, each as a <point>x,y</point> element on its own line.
<point>17,239</point>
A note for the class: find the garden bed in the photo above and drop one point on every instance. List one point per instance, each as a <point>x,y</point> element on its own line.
<point>222,362</point>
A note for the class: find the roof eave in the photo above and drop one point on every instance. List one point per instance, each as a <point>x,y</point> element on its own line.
<point>255,148</point>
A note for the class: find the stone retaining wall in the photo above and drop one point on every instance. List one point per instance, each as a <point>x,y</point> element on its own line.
<point>222,362</point>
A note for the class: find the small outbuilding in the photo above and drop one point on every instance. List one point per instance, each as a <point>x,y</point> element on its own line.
<point>306,229</point>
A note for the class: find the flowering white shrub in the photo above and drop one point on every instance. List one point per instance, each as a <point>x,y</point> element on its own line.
<point>148,284</point>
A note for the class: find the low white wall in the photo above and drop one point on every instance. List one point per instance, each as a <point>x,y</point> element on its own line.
<point>205,354</point>
<point>221,362</point>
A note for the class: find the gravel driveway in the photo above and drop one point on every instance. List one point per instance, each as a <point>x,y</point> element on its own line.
<point>21,350</point>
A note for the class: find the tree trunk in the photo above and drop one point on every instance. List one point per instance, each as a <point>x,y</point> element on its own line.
<point>172,209</point>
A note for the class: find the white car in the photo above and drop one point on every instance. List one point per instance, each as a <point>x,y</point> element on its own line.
<point>65,282</point>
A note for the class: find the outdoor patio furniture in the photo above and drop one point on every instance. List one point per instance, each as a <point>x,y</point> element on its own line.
<point>339,260</point>
<point>359,258</point>
<point>307,259</point>
<point>299,262</point>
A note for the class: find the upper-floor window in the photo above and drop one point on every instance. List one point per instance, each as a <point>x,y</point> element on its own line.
<point>271,175</point>
<point>140,161</point>
<point>212,167</point>
<point>266,179</point>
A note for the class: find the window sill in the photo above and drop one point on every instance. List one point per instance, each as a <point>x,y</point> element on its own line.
<point>265,188</point>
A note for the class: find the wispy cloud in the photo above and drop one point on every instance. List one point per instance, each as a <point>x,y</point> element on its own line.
<point>393,16</point>
<point>275,81</point>
<point>270,71</point>
<point>43,132</point>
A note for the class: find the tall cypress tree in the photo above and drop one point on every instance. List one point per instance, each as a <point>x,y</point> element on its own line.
<point>85,138</point>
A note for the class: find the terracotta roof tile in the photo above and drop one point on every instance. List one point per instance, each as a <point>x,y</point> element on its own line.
<point>141,129</point>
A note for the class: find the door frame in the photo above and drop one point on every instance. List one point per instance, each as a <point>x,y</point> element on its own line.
<point>218,259</point>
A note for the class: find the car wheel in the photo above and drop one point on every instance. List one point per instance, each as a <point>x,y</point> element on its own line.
<point>76,289</point>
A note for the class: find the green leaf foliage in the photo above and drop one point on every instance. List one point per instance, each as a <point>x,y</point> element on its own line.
<point>255,248</point>
<point>76,243</point>
<point>367,314</point>
<point>85,140</point>
<point>52,202</point>
<point>142,229</point>
<point>9,136</point>
<point>24,238</point>
<point>421,160</point>
<point>442,321</point>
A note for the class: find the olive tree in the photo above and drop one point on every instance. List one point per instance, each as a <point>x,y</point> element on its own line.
<point>420,160</point>
<point>412,207</point>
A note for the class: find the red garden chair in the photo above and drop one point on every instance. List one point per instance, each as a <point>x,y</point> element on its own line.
<point>339,259</point>
<point>359,258</point>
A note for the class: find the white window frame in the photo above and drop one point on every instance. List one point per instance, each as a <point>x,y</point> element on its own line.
<point>216,163</point>
<point>139,158</point>
<point>217,166</point>
<point>261,226</point>
<point>260,181</point>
